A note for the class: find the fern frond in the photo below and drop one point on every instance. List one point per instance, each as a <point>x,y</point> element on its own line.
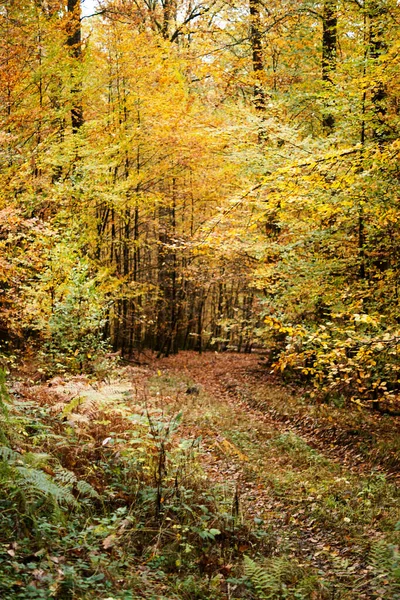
<point>90,407</point>
<point>71,406</point>
<point>86,489</point>
<point>4,399</point>
<point>275,579</point>
<point>37,484</point>
<point>36,460</point>
<point>80,409</point>
<point>8,455</point>
<point>64,476</point>
<point>385,560</point>
<point>259,578</point>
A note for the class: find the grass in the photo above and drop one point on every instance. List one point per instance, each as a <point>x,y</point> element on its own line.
<point>370,436</point>
<point>154,528</point>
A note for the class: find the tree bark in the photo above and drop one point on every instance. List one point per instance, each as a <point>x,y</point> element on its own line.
<point>329,52</point>
<point>169,10</point>
<point>257,54</point>
<point>74,42</point>
<point>377,46</point>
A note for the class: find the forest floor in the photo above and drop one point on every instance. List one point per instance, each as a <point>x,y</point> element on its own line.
<point>322,479</point>
<point>308,492</point>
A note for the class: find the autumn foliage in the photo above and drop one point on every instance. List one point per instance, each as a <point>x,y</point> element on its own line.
<point>221,175</point>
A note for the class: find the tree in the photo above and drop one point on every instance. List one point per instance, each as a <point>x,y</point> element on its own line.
<point>329,51</point>
<point>257,54</point>
<point>74,43</point>
<point>185,222</point>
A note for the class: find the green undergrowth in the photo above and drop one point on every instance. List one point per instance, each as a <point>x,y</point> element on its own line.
<point>329,530</point>
<point>107,495</point>
<point>105,499</point>
<point>371,434</point>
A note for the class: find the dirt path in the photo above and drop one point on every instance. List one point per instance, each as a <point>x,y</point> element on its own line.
<point>316,503</point>
<point>312,503</point>
<point>344,436</point>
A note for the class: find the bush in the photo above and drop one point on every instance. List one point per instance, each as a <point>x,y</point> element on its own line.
<point>74,333</point>
<point>349,358</point>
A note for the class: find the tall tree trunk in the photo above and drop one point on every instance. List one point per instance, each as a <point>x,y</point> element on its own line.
<point>257,54</point>
<point>377,13</point>
<point>169,10</point>
<point>167,274</point>
<point>74,42</point>
<point>166,315</point>
<point>329,52</point>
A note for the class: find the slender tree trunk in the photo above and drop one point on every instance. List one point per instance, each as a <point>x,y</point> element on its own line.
<point>374,14</point>
<point>74,42</point>
<point>377,13</point>
<point>200,310</point>
<point>329,52</point>
<point>361,252</point>
<point>173,275</point>
<point>257,54</point>
<point>361,244</point>
<point>166,317</point>
<point>167,275</point>
<point>169,10</point>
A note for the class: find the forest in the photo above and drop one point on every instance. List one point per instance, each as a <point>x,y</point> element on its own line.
<point>199,299</point>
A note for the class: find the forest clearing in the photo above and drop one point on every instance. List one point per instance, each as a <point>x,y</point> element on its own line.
<point>199,299</point>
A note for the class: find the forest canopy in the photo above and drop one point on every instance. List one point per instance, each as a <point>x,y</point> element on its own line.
<point>214,175</point>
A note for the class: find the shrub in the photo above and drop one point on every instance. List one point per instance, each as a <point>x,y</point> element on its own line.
<point>349,357</point>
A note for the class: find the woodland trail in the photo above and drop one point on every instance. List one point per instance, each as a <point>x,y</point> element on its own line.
<point>300,503</point>
<point>320,504</point>
<point>244,381</point>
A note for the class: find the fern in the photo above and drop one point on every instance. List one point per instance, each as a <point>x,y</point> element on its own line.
<point>385,560</point>
<point>257,576</point>
<point>4,398</point>
<point>272,581</point>
<point>37,487</point>
<point>37,460</point>
<point>34,483</point>
<point>34,490</point>
<point>69,479</point>
<point>71,406</point>
<point>86,489</point>
<point>80,410</point>
<point>8,455</point>
<point>64,476</point>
